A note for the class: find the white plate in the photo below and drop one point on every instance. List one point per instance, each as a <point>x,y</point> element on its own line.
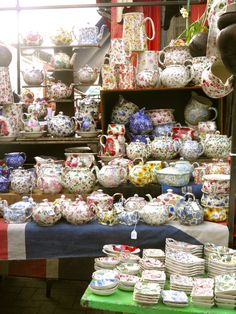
<point>103,292</point>
<point>32,134</point>
<point>7,138</point>
<point>88,134</point>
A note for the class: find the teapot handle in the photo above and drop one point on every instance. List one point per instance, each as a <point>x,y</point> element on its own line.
<point>23,155</point>
<point>161,58</point>
<point>216,113</point>
<point>101,137</point>
<point>138,158</point>
<point>203,149</point>
<point>152,25</point>
<point>190,194</point>
<point>121,197</point>
<point>173,215</point>
<point>191,72</point>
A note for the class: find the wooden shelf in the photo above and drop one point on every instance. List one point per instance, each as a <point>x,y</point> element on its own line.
<point>52,140</point>
<point>60,70</point>
<point>32,86</point>
<point>57,46</point>
<point>197,87</point>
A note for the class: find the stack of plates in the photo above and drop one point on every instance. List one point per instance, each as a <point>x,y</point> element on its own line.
<point>127,282</point>
<point>184,264</point>
<point>146,292</point>
<point>151,264</point>
<point>180,246</point>
<point>104,286</point>
<point>181,283</point>
<point>221,264</point>
<point>106,262</point>
<point>203,292</point>
<point>118,249</point>
<point>174,298</point>
<point>225,291</point>
<point>154,253</point>
<point>105,274</point>
<point>128,268</point>
<point>210,248</point>
<point>156,276</point>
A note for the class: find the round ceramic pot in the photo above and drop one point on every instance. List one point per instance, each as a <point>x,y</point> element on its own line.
<point>78,212</point>
<point>61,125</point>
<point>50,183</point>
<point>138,149</point>
<point>101,199</point>
<point>110,175</point>
<point>60,61</point>
<point>216,183</point>
<point>199,64</point>
<point>215,200</point>
<point>140,123</point>
<point>15,216</point>
<point>173,177</point>
<point>217,145</point>
<point>191,150</point>
<point>15,160</point>
<point>218,167</point>
<point>22,181</point>
<point>174,55</point>
<point>170,199</point>
<point>148,79</point>
<point>33,76</point>
<point>164,148</point>
<point>161,116</point>
<point>176,75</point>
<point>216,214</point>
<point>134,203</point>
<point>154,165</point>
<point>140,174</point>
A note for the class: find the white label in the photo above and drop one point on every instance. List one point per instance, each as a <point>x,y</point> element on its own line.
<point>134,235</point>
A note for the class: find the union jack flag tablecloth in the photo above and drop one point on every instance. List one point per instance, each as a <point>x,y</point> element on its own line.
<point>29,241</point>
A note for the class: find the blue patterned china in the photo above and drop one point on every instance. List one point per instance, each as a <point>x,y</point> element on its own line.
<point>88,123</point>
<point>104,283</point>
<point>123,110</point>
<point>164,147</point>
<point>15,216</point>
<point>27,204</point>
<point>140,122</point>
<point>189,211</point>
<point>144,138</point>
<point>4,170</point>
<point>89,35</point>
<point>61,125</point>
<point>128,218</point>
<point>163,128</point>
<point>173,177</point>
<point>215,200</point>
<point>15,160</point>
<point>4,184</point>
<point>191,149</point>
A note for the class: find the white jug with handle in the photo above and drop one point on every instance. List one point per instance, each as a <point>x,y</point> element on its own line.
<point>134,33</point>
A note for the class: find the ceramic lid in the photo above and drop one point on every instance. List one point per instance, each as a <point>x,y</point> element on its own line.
<point>98,195</point>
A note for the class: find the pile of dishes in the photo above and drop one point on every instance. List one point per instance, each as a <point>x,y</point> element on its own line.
<point>225,291</point>
<point>210,248</point>
<point>203,292</point>
<point>154,253</point>
<point>129,268</point>
<point>109,262</point>
<point>180,246</point>
<point>104,286</point>
<point>151,264</point>
<point>118,249</point>
<point>127,282</point>
<point>184,264</point>
<point>105,274</point>
<point>221,264</point>
<point>156,276</point>
<point>174,298</point>
<point>146,292</point>
<point>181,283</point>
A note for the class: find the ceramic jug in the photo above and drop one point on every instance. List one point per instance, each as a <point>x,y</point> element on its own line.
<point>86,106</point>
<point>6,95</point>
<point>147,60</point>
<point>118,55</point>
<point>112,147</point>
<point>199,109</point>
<point>15,159</point>
<point>31,122</point>
<point>134,33</point>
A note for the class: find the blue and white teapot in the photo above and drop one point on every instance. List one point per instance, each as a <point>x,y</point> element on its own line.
<point>62,125</point>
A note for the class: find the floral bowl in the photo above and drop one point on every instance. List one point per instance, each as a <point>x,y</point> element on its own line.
<point>172,177</point>
<point>216,214</point>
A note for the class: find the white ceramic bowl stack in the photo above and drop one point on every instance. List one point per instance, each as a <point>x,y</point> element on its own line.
<point>225,291</point>
<point>127,282</point>
<point>104,286</point>
<point>183,263</point>
<point>221,264</point>
<point>119,249</point>
<point>154,253</point>
<point>180,246</point>
<point>156,276</point>
<point>210,248</point>
<point>151,264</point>
<point>181,283</point>
<point>105,274</point>
<point>109,262</point>
<point>174,298</point>
<point>203,292</point>
<point>146,293</point>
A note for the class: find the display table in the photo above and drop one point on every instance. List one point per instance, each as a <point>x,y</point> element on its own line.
<point>122,301</point>
<point>29,241</point>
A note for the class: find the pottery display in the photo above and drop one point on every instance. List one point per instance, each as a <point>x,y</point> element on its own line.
<point>161,116</point>
<point>173,176</point>
<point>78,212</point>
<point>79,159</point>
<point>89,35</point>
<point>155,213</point>
<point>140,174</point>
<point>61,37</point>
<point>4,184</point>
<point>198,109</point>
<point>176,75</point>
<point>148,79</point>
<point>6,93</point>
<point>140,122</point>
<point>217,145</point>
<point>125,74</point>
<point>215,200</point>
<point>189,211</point>
<point>33,76</point>
<point>174,55</point>
<point>134,33</point>
<point>113,146</point>
<point>111,175</point>
<point>61,125</point>
<point>22,181</point>
<point>191,150</point>
<point>123,110</point>
<point>60,61</point>
<point>15,160</point>
<point>78,180</point>
<point>138,150</point>
<point>217,81</point>
<point>59,90</point>
<point>164,148</point>
<point>87,75</point>
<point>216,183</point>
<point>46,213</point>
<point>134,203</point>
<point>170,200</point>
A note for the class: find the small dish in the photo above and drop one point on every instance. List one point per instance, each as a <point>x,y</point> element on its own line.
<point>103,284</point>
<point>32,134</point>
<point>7,138</point>
<point>87,134</point>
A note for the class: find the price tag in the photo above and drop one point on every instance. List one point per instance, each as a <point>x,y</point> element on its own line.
<point>134,235</point>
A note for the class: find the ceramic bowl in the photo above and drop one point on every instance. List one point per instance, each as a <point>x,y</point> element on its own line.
<point>161,116</point>
<point>173,179</point>
<point>163,128</point>
<point>215,200</point>
<point>216,184</point>
<point>216,214</point>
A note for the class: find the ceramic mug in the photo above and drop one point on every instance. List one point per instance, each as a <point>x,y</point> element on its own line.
<point>118,55</point>
<point>126,76</point>
<point>109,76</point>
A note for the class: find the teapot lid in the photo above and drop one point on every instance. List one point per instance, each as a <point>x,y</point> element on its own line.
<point>99,194</point>
<point>136,197</point>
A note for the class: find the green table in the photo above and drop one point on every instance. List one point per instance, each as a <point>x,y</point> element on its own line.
<point>122,301</point>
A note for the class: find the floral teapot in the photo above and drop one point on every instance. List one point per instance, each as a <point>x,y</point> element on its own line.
<point>46,213</point>
<point>78,212</point>
<point>191,149</point>
<point>189,212</point>
<point>134,203</point>
<point>50,182</point>
<point>22,181</point>
<point>140,174</point>
<point>61,37</point>
<point>155,213</point>
<point>61,125</point>
<point>59,90</point>
<point>89,35</point>
<point>123,110</point>
<point>176,75</point>
<point>140,122</point>
<point>110,175</point>
<point>44,164</point>
<point>86,106</point>
<point>138,149</point>
<point>33,76</point>
<point>102,199</point>
<point>217,145</point>
<point>31,122</point>
<point>87,74</point>
<point>164,147</point>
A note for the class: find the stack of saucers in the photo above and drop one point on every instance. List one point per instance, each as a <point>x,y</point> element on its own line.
<point>128,268</point>
<point>174,298</point>
<point>203,292</point>
<point>151,264</point>
<point>221,264</point>
<point>156,276</point>
<point>154,253</point>
<point>181,283</point>
<point>225,291</point>
<point>104,286</point>
<point>127,282</point>
<point>146,292</point>
<point>106,262</point>
<point>210,248</point>
<point>184,264</point>
<point>180,246</point>
<point>105,274</point>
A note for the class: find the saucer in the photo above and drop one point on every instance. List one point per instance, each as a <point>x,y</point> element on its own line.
<point>7,138</point>
<point>88,134</point>
<point>32,134</point>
